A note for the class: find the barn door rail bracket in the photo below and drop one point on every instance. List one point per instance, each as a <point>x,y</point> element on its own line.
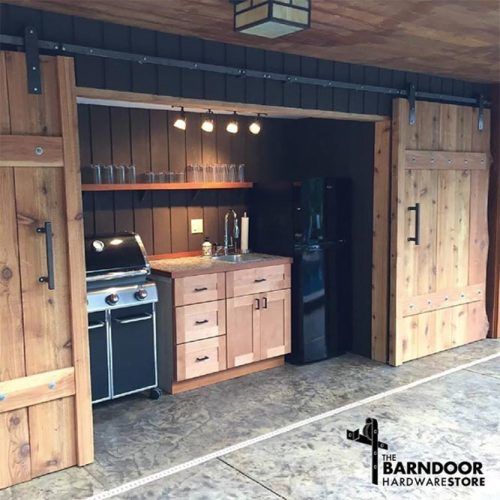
<point>32,60</point>
<point>291,79</point>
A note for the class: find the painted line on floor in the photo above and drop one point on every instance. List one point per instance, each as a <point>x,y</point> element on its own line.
<point>136,483</point>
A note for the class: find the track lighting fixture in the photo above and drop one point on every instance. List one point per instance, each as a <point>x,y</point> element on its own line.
<point>232,125</point>
<point>208,123</point>
<point>255,126</point>
<point>180,122</point>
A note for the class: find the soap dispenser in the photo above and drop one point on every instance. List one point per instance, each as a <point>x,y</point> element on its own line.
<point>206,247</point>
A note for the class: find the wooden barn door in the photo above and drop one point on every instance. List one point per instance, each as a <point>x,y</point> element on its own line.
<point>45,408</point>
<point>439,232</point>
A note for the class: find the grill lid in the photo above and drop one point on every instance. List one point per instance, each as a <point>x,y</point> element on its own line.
<point>114,254</point>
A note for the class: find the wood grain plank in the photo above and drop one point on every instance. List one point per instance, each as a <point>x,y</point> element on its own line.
<point>23,151</point>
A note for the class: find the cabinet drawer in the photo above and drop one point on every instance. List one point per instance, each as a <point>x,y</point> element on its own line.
<point>200,321</point>
<point>195,359</point>
<point>257,280</point>
<point>201,288</point>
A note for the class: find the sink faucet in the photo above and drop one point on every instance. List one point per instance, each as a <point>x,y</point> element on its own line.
<point>230,242</point>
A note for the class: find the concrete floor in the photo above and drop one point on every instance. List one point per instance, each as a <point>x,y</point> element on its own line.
<point>450,418</point>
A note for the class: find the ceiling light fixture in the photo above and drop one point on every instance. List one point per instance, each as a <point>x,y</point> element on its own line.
<point>180,122</point>
<point>271,18</point>
<point>208,123</point>
<point>255,126</point>
<point>232,125</point>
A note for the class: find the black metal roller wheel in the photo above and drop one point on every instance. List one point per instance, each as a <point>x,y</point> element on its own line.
<point>155,393</point>
<point>367,431</point>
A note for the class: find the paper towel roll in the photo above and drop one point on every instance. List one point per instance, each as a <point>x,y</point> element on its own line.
<point>244,233</point>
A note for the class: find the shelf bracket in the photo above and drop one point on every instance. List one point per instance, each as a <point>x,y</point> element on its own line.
<point>480,114</point>
<point>32,60</point>
<point>412,118</point>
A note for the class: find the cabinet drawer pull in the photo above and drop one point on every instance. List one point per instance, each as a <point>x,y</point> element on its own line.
<point>133,319</point>
<point>257,304</point>
<point>99,324</point>
<point>201,322</point>
<point>264,300</point>
<point>202,289</point>
<point>202,358</point>
<point>259,280</point>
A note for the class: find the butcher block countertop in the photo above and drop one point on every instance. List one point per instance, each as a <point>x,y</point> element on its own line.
<point>192,266</point>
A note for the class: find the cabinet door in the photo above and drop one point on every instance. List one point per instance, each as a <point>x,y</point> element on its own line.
<point>275,324</point>
<point>133,349</point>
<point>243,330</point>
<point>98,342</point>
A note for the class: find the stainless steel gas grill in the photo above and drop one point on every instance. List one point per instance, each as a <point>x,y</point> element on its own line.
<point>122,317</point>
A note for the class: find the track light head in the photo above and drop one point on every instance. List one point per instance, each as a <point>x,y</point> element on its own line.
<point>255,126</point>
<point>232,125</point>
<point>180,122</point>
<point>208,123</point>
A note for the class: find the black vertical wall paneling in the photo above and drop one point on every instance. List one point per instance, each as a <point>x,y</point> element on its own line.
<point>214,83</point>
<point>325,94</point>
<point>356,97</point>
<point>56,27</point>
<point>144,76</point>
<point>158,120</point>
<point>435,85</point>
<point>193,156</point>
<point>273,89</point>
<point>398,81</point>
<point>141,156</point>
<point>341,96</point>
<point>446,85</point>
<point>89,70</point>
<point>370,99</point>
<point>118,74</point>
<point>169,79</point>
<point>85,161</point>
<point>192,80</point>
<point>255,86</point>
<point>235,85</point>
<point>4,15</point>
<point>423,82</point>
<point>308,93</point>
<point>121,151</point>
<point>291,91</point>
<point>101,153</point>
<point>17,18</point>
<point>385,101</point>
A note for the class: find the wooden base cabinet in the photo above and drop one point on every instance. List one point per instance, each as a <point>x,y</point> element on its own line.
<point>258,327</point>
<point>202,334</point>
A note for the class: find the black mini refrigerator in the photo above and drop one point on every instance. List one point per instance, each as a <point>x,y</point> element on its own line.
<point>311,222</point>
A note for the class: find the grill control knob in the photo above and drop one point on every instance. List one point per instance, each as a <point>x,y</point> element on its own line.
<point>112,299</point>
<point>141,294</point>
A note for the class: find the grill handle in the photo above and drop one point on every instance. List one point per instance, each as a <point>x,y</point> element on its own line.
<point>49,250</point>
<point>133,319</point>
<point>99,324</point>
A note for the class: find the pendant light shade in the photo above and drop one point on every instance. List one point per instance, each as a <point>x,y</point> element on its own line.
<point>232,125</point>
<point>180,121</point>
<point>208,123</point>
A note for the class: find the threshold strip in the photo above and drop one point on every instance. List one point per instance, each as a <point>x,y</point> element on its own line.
<point>136,483</point>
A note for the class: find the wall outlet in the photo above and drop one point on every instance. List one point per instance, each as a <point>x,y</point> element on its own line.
<point>196,226</point>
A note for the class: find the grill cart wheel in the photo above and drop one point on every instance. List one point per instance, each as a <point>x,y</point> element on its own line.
<point>155,393</point>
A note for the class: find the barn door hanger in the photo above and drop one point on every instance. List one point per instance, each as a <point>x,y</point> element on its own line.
<point>480,114</point>
<point>32,60</point>
<point>412,118</point>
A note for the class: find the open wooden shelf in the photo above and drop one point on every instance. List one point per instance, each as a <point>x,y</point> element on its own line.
<point>150,186</point>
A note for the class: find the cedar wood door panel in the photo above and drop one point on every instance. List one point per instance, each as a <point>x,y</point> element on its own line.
<point>438,284</point>
<point>45,420</point>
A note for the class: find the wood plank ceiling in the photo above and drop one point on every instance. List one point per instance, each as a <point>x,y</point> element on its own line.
<point>458,38</point>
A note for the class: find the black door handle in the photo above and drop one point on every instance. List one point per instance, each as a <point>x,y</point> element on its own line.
<point>202,358</point>
<point>49,279</point>
<point>257,304</point>
<point>202,289</point>
<point>259,280</point>
<point>202,322</point>
<point>265,302</point>
<point>416,239</point>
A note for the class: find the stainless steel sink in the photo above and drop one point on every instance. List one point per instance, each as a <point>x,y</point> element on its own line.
<point>237,258</point>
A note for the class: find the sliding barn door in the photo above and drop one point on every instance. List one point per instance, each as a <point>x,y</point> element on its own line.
<point>45,408</point>
<point>439,229</point>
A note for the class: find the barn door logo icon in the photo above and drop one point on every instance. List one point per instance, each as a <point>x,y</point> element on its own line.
<point>369,436</point>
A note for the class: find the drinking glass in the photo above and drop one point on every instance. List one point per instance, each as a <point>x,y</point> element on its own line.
<point>190,173</point>
<point>119,173</point>
<point>107,174</point>
<point>96,173</point>
<point>241,172</point>
<point>232,172</point>
<point>209,173</point>
<point>131,174</point>
<point>148,177</point>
